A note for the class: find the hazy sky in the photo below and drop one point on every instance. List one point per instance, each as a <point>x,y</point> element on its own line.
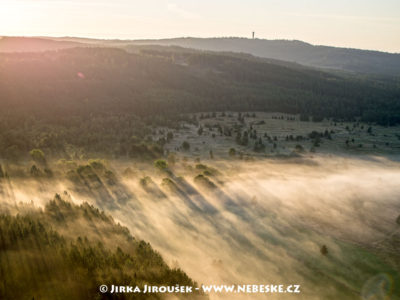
<point>367,24</point>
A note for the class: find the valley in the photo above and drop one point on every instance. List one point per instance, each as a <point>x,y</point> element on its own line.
<point>255,216</point>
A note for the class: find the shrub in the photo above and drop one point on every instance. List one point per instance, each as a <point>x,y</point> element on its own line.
<point>169,183</point>
<point>161,164</point>
<point>38,156</point>
<point>299,148</point>
<point>35,171</point>
<point>185,145</point>
<point>2,173</point>
<point>145,181</point>
<point>201,167</point>
<point>204,181</point>
<point>96,164</point>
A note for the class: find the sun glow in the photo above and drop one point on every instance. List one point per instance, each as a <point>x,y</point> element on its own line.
<point>315,23</point>
<point>11,14</point>
<point>34,18</point>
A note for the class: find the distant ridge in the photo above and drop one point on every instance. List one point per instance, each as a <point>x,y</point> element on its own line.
<point>326,57</point>
<point>22,44</point>
<point>357,61</point>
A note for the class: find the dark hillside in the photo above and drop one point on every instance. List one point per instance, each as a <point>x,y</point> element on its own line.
<point>67,251</point>
<point>83,81</point>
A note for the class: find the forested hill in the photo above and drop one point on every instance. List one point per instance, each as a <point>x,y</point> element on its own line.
<point>352,60</point>
<point>65,251</point>
<point>20,44</point>
<point>355,61</point>
<point>87,81</point>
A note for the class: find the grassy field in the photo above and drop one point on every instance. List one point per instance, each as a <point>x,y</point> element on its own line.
<point>280,133</point>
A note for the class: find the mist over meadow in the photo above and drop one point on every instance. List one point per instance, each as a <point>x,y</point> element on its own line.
<point>255,222</point>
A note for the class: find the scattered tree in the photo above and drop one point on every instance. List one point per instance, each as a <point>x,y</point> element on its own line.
<point>186,146</point>
<point>161,164</point>
<point>38,156</point>
<point>170,136</point>
<point>324,250</point>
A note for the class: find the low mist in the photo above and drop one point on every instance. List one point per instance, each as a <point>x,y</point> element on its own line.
<point>255,222</point>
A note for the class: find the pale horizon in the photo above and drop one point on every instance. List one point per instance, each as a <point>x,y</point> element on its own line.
<point>191,37</point>
<point>367,25</point>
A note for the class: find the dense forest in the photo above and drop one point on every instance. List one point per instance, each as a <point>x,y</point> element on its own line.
<point>108,100</point>
<point>65,251</point>
<point>84,81</point>
<point>73,138</point>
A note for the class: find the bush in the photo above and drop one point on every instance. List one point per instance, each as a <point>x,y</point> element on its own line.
<point>169,183</point>
<point>38,156</point>
<point>161,164</point>
<point>96,164</point>
<point>170,136</point>
<point>204,181</point>
<point>48,172</point>
<point>201,167</point>
<point>35,172</point>
<point>299,148</point>
<point>185,146</point>
<point>145,181</point>
<point>2,173</point>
